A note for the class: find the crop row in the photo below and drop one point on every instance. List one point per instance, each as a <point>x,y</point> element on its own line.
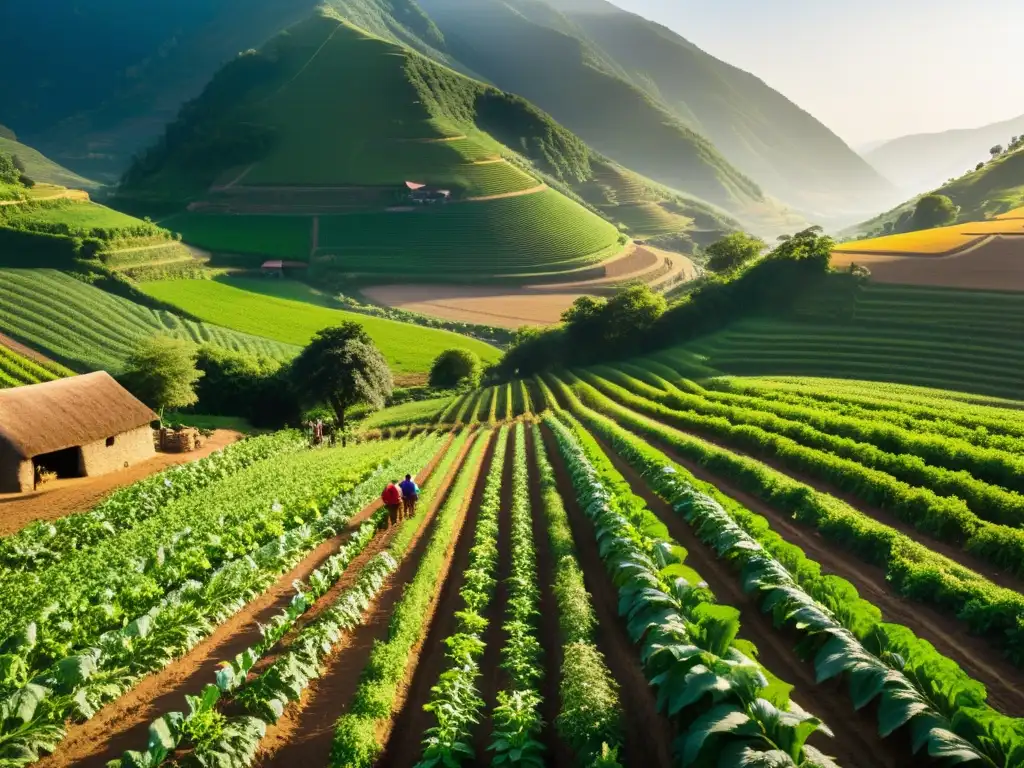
<point>932,406</point>
<point>42,544</point>
<point>989,433</point>
<point>455,701</point>
<point>590,717</point>
<point>16,370</point>
<point>919,688</point>
<point>259,700</point>
<point>76,686</point>
<point>359,734</point>
<point>688,643</point>
<point>914,571</point>
<point>516,716</point>
<point>947,518</point>
<point>863,442</point>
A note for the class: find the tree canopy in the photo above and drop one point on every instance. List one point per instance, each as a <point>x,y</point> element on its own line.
<point>161,371</point>
<point>455,367</point>
<point>342,367</point>
<point>733,251</point>
<point>934,211</point>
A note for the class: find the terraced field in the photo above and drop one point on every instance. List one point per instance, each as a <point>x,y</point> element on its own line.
<point>954,339</point>
<point>87,329</point>
<point>605,567</point>
<point>533,234</point>
<point>17,369</point>
<point>409,349</point>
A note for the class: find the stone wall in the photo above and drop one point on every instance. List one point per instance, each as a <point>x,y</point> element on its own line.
<point>129,448</point>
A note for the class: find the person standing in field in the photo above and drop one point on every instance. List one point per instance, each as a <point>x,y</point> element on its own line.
<point>392,498</point>
<point>410,495</point>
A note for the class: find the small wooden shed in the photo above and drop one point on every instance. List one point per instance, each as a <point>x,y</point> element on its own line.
<point>76,427</point>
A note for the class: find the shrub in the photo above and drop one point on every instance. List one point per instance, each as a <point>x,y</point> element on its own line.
<point>455,367</point>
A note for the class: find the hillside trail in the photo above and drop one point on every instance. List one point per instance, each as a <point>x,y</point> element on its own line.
<point>856,741</point>
<point>405,747</point>
<point>61,498</point>
<point>975,655</point>
<point>304,734</point>
<point>123,724</point>
<point>647,734</point>
<point>502,196</point>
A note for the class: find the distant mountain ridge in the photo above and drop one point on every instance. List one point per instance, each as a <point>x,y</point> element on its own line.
<point>924,161</point>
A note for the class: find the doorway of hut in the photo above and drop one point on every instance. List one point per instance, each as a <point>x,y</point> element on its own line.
<point>66,463</point>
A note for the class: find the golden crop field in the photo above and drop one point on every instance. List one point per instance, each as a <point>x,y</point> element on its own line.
<point>1016,213</point>
<point>994,227</point>
<point>932,242</point>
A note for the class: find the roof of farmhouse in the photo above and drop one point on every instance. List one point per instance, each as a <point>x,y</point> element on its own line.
<point>55,415</point>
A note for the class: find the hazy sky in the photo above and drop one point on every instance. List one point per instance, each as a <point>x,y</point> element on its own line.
<point>868,69</point>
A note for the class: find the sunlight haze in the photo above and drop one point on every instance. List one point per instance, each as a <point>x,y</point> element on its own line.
<point>871,70</point>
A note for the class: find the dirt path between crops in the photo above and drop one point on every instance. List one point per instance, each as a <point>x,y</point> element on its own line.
<point>1005,682</point>
<point>66,497</point>
<point>856,741</point>
<point>124,723</point>
<point>647,734</point>
<point>504,195</point>
<point>492,677</point>
<point>304,734</point>
<point>406,748</point>
<point>558,751</point>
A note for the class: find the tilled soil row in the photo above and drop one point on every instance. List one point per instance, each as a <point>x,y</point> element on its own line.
<point>975,654</point>
<point>304,734</point>
<point>124,723</point>
<point>648,734</point>
<point>405,747</point>
<point>856,741</point>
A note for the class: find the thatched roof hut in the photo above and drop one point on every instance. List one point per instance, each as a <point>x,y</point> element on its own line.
<point>76,427</point>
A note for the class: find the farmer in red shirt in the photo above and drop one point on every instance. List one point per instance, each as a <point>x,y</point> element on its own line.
<point>392,498</point>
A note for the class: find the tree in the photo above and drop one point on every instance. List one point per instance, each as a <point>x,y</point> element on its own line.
<point>933,211</point>
<point>733,251</point>
<point>454,367</point>
<point>630,313</point>
<point>996,151</point>
<point>342,367</point>
<point>161,371</point>
<point>9,173</point>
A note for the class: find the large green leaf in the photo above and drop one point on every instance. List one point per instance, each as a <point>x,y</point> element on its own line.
<point>723,719</point>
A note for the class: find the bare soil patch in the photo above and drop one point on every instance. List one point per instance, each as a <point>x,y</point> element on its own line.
<point>997,263</point>
<point>65,497</point>
<point>538,304</point>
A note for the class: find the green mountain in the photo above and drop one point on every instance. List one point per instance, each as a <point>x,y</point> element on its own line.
<point>123,68</point>
<point>924,161</point>
<point>40,168</point>
<point>612,76</point>
<point>287,154</point>
<point>520,47</point>
<point>994,189</point>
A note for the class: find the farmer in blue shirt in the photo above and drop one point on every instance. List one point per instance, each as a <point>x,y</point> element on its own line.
<point>410,495</point>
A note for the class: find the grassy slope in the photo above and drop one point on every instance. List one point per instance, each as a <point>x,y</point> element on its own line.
<point>404,118</point>
<point>76,216</point>
<point>963,340</point>
<point>86,328</point>
<point>408,348</point>
<point>790,153</point>
<point>994,189</point>
<point>42,169</point>
<point>561,74</point>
